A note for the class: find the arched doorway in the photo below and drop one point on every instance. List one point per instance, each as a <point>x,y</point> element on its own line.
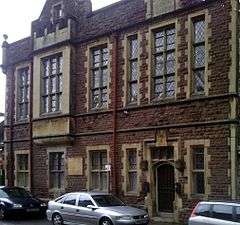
<point>165,181</point>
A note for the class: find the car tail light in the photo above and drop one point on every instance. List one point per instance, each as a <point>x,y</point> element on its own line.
<point>194,211</point>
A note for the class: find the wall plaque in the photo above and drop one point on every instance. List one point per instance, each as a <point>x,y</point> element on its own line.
<point>75,166</point>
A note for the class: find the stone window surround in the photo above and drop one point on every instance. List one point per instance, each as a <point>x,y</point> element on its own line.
<point>56,150</point>
<point>190,145</point>
<point>22,152</point>
<point>19,67</point>
<point>150,39</point>
<point>66,53</point>
<point>87,66</point>
<point>124,173</point>
<point>125,88</point>
<point>189,26</point>
<point>52,11</point>
<point>88,161</point>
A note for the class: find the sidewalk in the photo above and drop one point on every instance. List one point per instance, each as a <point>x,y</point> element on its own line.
<point>161,223</point>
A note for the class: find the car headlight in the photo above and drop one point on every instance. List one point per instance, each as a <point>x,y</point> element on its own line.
<point>125,218</point>
<point>17,206</point>
<point>43,204</point>
<point>146,216</point>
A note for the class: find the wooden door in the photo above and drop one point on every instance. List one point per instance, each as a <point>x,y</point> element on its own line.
<point>165,188</point>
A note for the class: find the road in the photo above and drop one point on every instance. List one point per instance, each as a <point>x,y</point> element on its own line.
<point>40,222</point>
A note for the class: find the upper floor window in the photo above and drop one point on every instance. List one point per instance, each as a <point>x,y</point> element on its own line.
<point>23,94</point>
<point>133,74</point>
<point>99,74</point>
<point>52,83</point>
<point>164,63</point>
<point>198,49</point>
<point>57,11</point>
<point>198,170</point>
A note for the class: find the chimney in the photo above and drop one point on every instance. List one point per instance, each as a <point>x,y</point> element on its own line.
<point>4,52</point>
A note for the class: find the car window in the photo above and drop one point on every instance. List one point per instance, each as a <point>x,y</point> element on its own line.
<point>238,214</point>
<point>17,193</point>
<point>3,194</point>
<point>107,200</point>
<point>70,199</point>
<point>223,212</point>
<point>84,201</point>
<point>203,210</point>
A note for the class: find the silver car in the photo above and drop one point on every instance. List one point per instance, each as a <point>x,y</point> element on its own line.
<point>94,208</point>
<point>216,213</point>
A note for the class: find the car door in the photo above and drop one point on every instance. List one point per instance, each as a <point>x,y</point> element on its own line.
<point>202,215</point>
<point>69,208</point>
<point>86,215</point>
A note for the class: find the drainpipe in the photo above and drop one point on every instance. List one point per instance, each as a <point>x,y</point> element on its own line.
<point>31,125</point>
<point>114,88</point>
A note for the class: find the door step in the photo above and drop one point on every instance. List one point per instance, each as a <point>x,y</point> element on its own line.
<point>164,217</point>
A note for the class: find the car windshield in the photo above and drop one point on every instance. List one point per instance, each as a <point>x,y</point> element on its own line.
<point>107,200</point>
<point>17,193</point>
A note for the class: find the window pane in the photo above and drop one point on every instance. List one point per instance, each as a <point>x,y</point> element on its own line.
<point>70,199</point>
<point>22,162</point>
<point>84,201</point>
<point>170,86</point>
<point>60,64</point>
<point>203,210</point>
<point>133,71</point>
<point>158,87</point>
<point>54,103</point>
<point>199,56</point>
<point>133,48</point>
<point>105,57</point>
<point>96,79</point>
<point>199,30</point>
<point>159,42</point>
<point>199,81</point>
<point>223,212</point>
<point>132,181</point>
<point>105,77</point>
<point>60,83</point>
<point>95,161</point>
<point>96,58</point>
<point>46,67</point>
<point>159,61</point>
<point>53,85</point>
<point>198,159</point>
<point>103,160</point>
<point>133,92</point>
<point>22,179</point>
<point>95,181</point>
<point>104,97</point>
<point>132,159</point>
<point>45,104</point>
<point>54,65</point>
<point>170,39</point>
<point>199,182</point>
<point>170,64</point>
<point>103,180</point>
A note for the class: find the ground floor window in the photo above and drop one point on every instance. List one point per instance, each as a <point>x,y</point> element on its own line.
<point>198,170</point>
<point>98,173</point>
<point>22,170</point>
<point>131,170</point>
<point>56,170</point>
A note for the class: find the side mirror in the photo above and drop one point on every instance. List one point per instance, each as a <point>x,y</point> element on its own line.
<point>92,207</point>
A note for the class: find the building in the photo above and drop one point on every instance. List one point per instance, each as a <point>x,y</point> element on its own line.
<point>2,173</point>
<point>148,87</point>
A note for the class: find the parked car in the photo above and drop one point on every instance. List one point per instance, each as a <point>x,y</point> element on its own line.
<point>216,213</point>
<point>16,201</point>
<point>93,208</point>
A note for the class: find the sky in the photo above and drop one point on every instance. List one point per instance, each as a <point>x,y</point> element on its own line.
<point>15,21</point>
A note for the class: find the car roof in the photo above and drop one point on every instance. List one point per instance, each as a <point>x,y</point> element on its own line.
<point>233,203</point>
<point>89,193</point>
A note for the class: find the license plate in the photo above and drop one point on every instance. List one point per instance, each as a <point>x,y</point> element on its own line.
<point>32,210</point>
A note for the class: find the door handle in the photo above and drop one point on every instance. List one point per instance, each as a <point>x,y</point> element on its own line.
<point>62,207</point>
<point>77,210</point>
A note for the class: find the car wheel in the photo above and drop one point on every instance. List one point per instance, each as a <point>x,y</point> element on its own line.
<point>57,219</point>
<point>2,213</point>
<point>106,221</point>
